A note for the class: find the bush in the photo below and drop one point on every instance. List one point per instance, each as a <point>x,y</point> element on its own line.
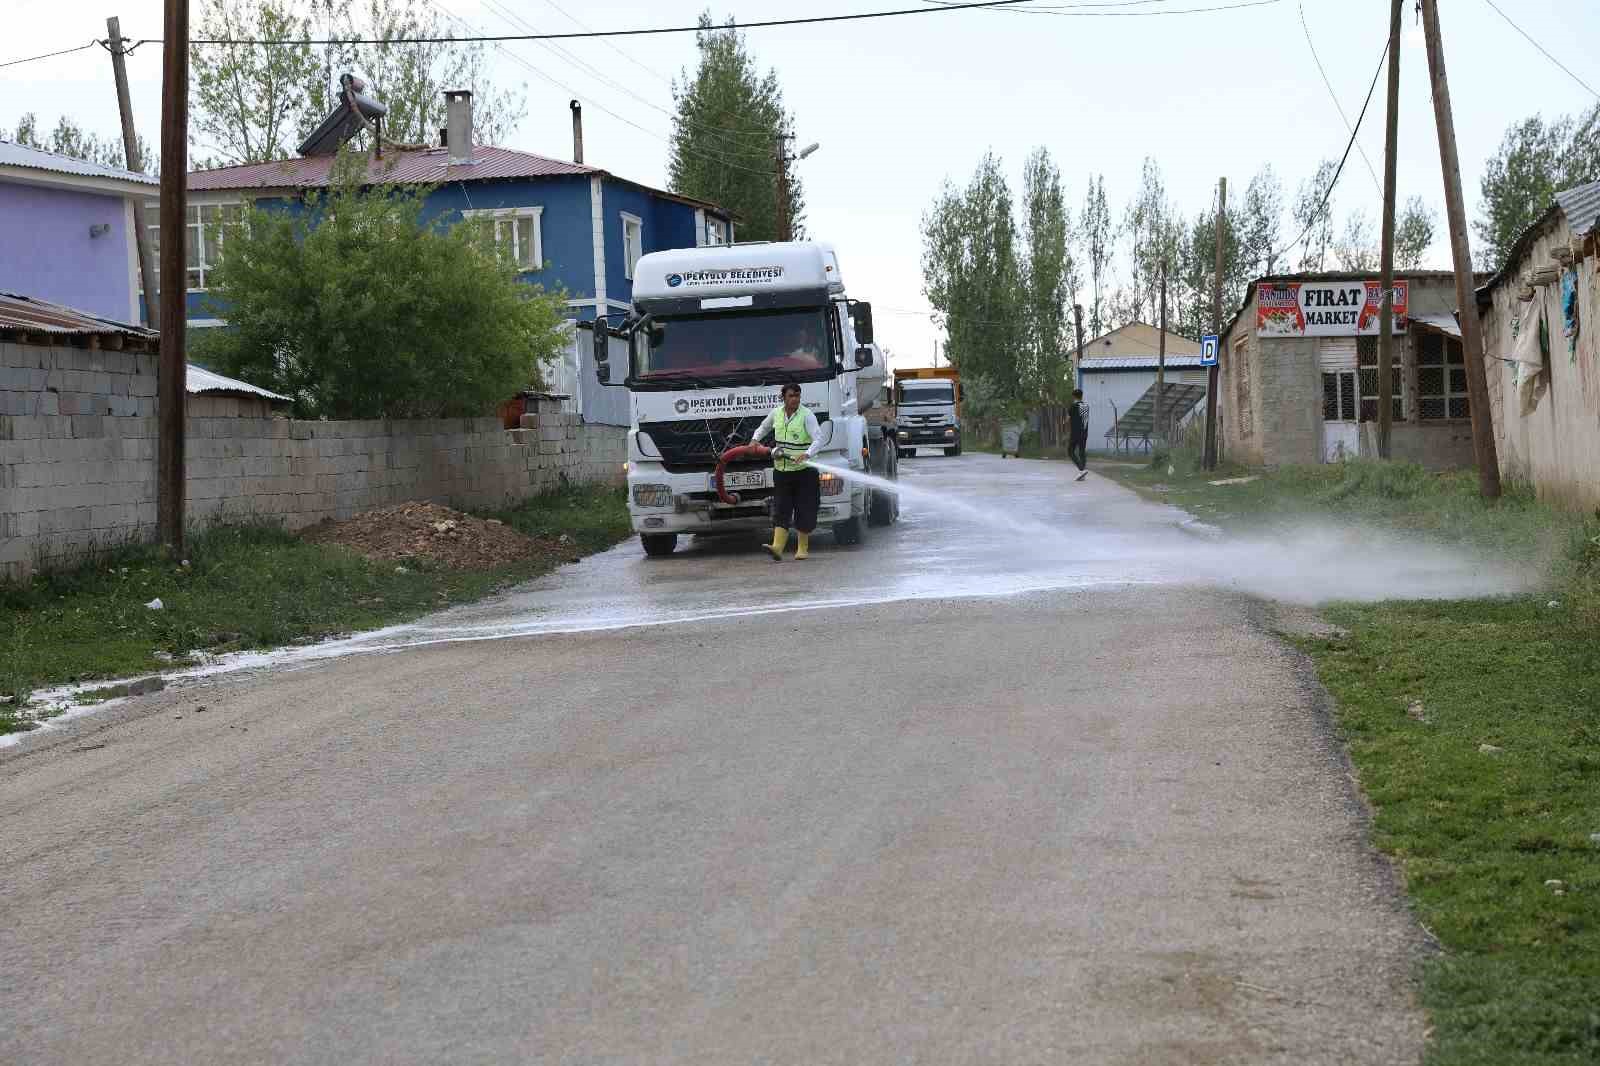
<point>356,308</point>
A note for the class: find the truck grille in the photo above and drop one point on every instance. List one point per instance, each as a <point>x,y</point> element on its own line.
<point>694,443</point>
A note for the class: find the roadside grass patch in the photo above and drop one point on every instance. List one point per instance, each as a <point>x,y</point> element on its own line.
<point>248,586</point>
<point>1475,728</point>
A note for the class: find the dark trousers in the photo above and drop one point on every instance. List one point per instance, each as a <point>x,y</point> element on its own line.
<point>796,496</point>
<point>1078,450</point>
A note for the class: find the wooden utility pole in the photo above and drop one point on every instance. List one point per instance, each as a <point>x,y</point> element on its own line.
<point>783,189</point>
<point>1386,314</point>
<point>130,149</point>
<point>1483,447</point>
<point>1077,325</point>
<point>1213,372</point>
<point>174,205</point>
<point>1161,363</point>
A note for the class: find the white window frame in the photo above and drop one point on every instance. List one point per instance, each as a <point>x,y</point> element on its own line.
<point>1449,394</point>
<point>632,247</point>
<point>716,231</point>
<point>497,215</point>
<point>193,220</point>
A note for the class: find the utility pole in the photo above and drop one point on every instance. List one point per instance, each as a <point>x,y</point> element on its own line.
<point>130,149</point>
<point>1077,323</point>
<point>1213,372</point>
<point>783,188</point>
<point>1161,363</point>
<point>1483,446</point>
<point>173,366</point>
<point>1386,314</point>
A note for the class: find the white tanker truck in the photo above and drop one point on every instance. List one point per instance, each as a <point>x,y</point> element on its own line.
<point>713,336</point>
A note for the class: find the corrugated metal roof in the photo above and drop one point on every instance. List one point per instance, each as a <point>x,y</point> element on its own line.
<point>419,166</point>
<point>1138,362</point>
<point>17,155</point>
<point>1581,205</point>
<point>199,380</point>
<point>416,166</point>
<point>1442,323</point>
<point>24,314</point>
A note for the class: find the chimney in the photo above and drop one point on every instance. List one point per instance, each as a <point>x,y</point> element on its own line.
<point>577,131</point>
<point>458,132</point>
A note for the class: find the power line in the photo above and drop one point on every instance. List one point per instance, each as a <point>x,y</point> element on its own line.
<point>1077,10</point>
<point>49,55</point>
<point>1340,107</point>
<point>1540,47</point>
<point>642,32</point>
<point>1328,195</point>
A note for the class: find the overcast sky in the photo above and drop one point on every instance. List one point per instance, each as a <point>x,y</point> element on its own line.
<point>899,104</point>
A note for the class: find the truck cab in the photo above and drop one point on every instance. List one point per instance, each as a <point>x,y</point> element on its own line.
<point>927,410</point>
<point>711,338</point>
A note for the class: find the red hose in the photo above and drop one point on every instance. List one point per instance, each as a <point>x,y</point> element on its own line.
<point>743,451</point>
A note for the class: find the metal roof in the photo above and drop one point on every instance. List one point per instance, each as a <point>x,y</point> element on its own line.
<point>414,166</point>
<point>19,155</point>
<point>1138,362</point>
<point>24,314</point>
<point>1581,205</point>
<point>198,380</point>
<point>1442,323</point>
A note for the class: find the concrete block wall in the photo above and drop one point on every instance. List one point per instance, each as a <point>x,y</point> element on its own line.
<point>47,379</point>
<point>72,484</point>
<point>1288,386</point>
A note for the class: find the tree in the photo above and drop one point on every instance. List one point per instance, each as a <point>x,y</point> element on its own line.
<point>254,103</point>
<point>1261,227</point>
<point>1313,215</point>
<point>1357,247</point>
<point>972,277</point>
<point>1535,160</point>
<point>1049,275</point>
<point>1198,261</point>
<point>68,138</point>
<point>727,130</point>
<point>1154,236</point>
<point>358,309</point>
<point>1414,229</point>
<point>1096,229</point>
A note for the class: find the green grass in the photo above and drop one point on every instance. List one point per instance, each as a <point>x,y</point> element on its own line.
<point>252,586</point>
<point>1476,835</point>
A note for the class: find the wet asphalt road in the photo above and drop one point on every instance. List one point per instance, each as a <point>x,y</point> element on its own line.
<point>1040,791</point>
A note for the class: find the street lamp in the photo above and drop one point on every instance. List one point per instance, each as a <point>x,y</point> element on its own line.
<point>784,222</point>
<point>808,149</point>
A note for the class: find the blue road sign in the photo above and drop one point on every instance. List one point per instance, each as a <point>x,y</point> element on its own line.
<point>1209,344</point>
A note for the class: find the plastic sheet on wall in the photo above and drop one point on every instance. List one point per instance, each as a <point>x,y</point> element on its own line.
<point>1569,313</point>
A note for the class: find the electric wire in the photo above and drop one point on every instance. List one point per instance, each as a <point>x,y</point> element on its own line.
<point>1541,48</point>
<point>1376,184</point>
<point>1076,10</point>
<point>49,55</point>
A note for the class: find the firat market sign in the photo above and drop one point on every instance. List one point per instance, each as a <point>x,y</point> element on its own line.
<point>1325,308</point>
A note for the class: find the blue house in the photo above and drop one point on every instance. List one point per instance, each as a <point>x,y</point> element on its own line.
<point>67,231</point>
<point>571,226</point>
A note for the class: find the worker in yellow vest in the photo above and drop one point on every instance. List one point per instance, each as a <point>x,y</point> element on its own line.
<point>796,485</point>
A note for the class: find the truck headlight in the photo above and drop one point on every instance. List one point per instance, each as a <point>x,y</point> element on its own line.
<point>652,495</point>
<point>949,432</point>
<point>832,484</point>
<point>904,435</point>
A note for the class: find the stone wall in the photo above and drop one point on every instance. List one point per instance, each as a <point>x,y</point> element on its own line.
<point>74,483</point>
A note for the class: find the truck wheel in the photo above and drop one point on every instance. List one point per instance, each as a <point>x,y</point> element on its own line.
<point>881,510</point>
<point>952,452</point>
<point>658,544</point>
<point>848,532</point>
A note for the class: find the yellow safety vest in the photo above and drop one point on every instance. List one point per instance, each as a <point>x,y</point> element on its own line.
<point>790,431</point>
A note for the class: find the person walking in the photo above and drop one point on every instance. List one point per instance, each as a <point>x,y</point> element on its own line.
<point>796,485</point>
<point>1078,450</point>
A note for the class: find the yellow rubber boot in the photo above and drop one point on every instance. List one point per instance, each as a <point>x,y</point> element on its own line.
<point>780,537</point>
<point>803,551</point>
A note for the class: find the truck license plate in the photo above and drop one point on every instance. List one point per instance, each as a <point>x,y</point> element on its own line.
<point>744,479</point>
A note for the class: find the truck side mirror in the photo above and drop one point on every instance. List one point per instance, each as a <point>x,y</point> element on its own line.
<point>601,337</point>
<point>861,315</point>
<point>863,356</point>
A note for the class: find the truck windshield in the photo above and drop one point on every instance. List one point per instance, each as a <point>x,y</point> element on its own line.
<point>931,392</point>
<point>721,343</point>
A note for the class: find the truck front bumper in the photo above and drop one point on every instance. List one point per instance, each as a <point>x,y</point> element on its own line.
<point>663,502</point>
<point>928,436</point>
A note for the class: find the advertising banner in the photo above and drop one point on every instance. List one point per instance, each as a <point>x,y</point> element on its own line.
<point>1325,308</point>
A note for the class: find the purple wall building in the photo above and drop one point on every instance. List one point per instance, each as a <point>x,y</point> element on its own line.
<point>66,231</point>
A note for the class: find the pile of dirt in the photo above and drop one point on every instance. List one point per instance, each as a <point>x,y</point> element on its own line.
<point>439,536</point>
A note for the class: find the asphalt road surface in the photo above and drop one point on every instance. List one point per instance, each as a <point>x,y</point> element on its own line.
<point>1026,778</point>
